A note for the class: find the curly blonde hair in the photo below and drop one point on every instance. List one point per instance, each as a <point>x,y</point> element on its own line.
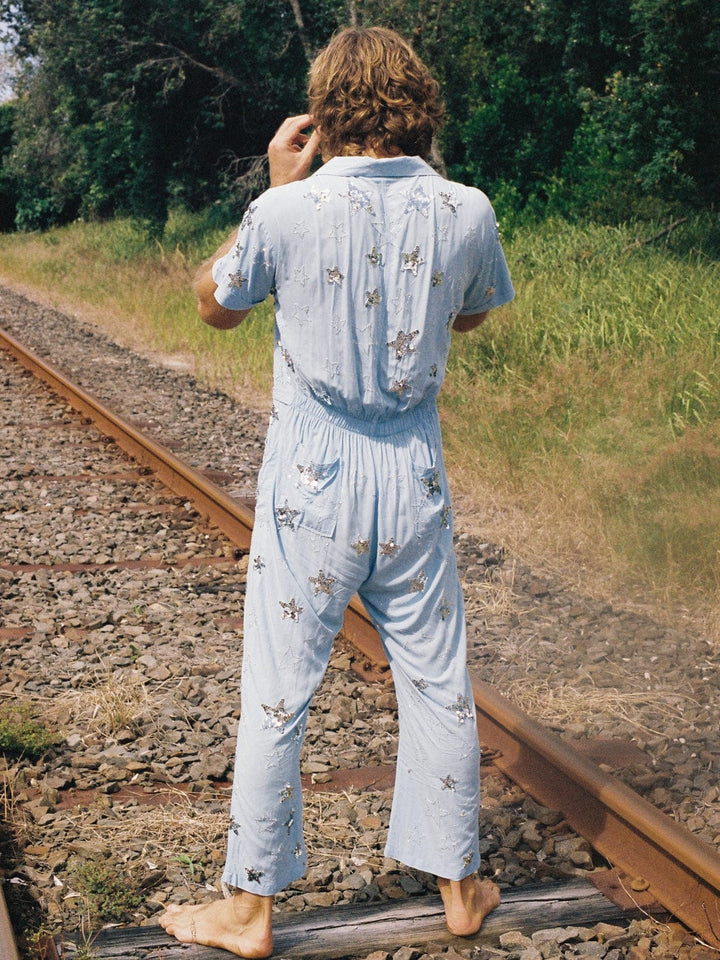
<point>369,90</point>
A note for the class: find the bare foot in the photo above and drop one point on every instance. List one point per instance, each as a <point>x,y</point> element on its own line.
<point>467,902</point>
<point>241,924</point>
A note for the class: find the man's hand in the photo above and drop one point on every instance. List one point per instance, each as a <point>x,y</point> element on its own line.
<point>291,152</point>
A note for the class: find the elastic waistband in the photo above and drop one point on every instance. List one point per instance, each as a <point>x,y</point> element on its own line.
<point>408,420</point>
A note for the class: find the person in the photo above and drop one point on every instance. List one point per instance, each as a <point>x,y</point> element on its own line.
<point>372,260</point>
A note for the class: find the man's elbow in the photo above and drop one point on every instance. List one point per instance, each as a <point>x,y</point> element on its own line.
<point>215,315</point>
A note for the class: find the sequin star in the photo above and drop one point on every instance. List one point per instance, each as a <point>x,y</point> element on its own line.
<point>286,793</point>
<point>434,370</point>
<point>297,852</point>
<point>291,610</point>
<point>285,516</point>
<point>253,875</point>
<point>274,414</point>
<point>400,386</point>
<point>431,483</point>
<point>300,276</point>
<point>300,229</point>
<point>448,783</point>
<point>468,859</point>
<point>445,609</point>
<point>388,548</point>
<point>417,584</point>
<point>322,583</point>
<point>461,708</point>
<point>258,564</point>
<point>445,517</point>
<point>375,257</point>
<point>290,821</point>
<point>235,826</point>
<point>278,716</point>
<point>413,260</point>
<point>402,344</point>
<point>373,298</point>
<point>361,546</point>
<point>310,477</point>
<point>236,280</point>
<point>420,684</point>
<point>318,197</point>
<point>247,220</point>
<point>437,278</point>
<point>489,291</point>
<point>417,200</point>
<point>334,276</point>
<point>449,201</point>
<point>359,199</point>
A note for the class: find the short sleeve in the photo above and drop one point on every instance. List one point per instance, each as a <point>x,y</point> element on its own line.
<point>490,285</point>
<point>246,275</point>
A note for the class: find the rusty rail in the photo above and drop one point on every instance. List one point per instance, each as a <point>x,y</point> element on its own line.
<point>682,871</point>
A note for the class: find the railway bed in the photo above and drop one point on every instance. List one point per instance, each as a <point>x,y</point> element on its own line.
<point>204,556</point>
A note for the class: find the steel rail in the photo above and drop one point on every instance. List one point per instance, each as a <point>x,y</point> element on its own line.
<point>682,871</point>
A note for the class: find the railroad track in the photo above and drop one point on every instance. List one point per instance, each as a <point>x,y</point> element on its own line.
<point>681,872</point>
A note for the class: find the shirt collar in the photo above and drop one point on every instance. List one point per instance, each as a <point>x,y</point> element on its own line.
<point>381,167</point>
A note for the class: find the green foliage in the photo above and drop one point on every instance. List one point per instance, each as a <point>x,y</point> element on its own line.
<point>22,734</point>
<point>565,106</point>
<point>110,894</point>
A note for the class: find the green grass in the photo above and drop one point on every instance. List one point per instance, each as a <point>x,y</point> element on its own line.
<point>582,421</point>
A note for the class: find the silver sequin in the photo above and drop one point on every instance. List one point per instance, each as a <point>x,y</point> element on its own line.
<point>318,197</point>
<point>445,517</point>
<point>310,476</point>
<point>359,199</point>
<point>448,783</point>
<point>445,608</point>
<point>388,548</point>
<point>285,516</point>
<point>253,875</point>
<point>236,280</point>
<point>373,298</point>
<point>334,275</point>
<point>375,257</point>
<point>432,483</point>
<point>286,793</point>
<point>417,584</point>
<point>361,546</point>
<point>291,610</point>
<point>449,201</point>
<point>400,386</point>
<point>461,708</point>
<point>420,684</point>
<point>322,583</point>
<point>235,825</point>
<point>402,344</point>
<point>258,564</point>
<point>417,200</point>
<point>278,716</point>
<point>437,278</point>
<point>413,260</point>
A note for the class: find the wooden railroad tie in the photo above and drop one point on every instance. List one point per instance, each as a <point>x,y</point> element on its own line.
<point>331,933</point>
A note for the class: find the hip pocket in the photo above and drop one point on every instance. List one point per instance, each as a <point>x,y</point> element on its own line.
<point>307,497</point>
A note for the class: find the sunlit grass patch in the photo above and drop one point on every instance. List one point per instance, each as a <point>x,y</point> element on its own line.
<point>582,421</point>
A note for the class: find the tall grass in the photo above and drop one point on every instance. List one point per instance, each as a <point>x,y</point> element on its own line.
<point>582,421</point>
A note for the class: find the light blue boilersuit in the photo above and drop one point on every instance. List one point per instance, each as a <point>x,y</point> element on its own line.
<point>369,262</point>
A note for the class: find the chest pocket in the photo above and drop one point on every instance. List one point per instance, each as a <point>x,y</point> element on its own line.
<point>308,498</point>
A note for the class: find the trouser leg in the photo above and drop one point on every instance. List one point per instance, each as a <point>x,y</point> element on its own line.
<point>414,596</point>
<point>293,610</point>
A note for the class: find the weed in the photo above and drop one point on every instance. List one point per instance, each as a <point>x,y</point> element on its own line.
<point>22,734</point>
<point>109,895</point>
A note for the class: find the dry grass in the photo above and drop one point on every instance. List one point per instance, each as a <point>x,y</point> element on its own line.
<point>109,705</point>
<point>559,706</point>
